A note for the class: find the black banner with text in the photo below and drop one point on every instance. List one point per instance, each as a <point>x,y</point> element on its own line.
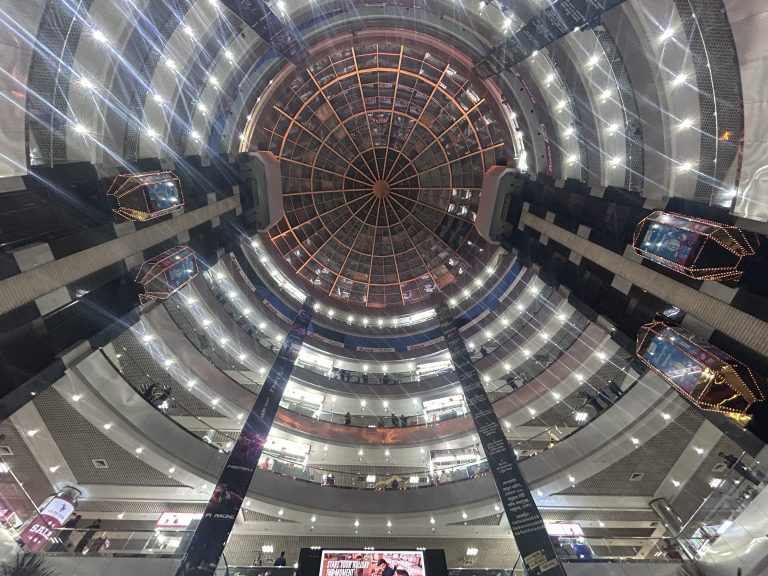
<point>207,543</point>
<point>524,517</point>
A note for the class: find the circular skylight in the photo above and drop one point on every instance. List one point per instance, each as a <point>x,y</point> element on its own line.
<point>382,151</point>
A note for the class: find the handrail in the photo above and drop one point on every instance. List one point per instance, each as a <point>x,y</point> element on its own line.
<point>418,477</point>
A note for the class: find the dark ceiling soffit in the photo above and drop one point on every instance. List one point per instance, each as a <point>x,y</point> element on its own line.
<point>552,23</point>
<point>280,34</point>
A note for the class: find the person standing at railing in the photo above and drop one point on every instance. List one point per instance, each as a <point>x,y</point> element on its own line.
<point>347,419</point>
<point>395,420</point>
<point>66,534</point>
<point>738,467</point>
<point>90,530</point>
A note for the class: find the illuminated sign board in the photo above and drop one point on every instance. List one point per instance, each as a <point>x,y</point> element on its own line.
<point>369,563</point>
<point>177,519</point>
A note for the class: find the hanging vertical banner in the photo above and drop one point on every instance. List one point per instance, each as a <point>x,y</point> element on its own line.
<point>524,517</point>
<point>207,543</point>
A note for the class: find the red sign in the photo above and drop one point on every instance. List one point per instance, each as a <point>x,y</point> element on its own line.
<point>177,519</point>
<point>40,530</point>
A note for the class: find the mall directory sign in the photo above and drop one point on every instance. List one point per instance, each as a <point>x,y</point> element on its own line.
<point>524,517</point>
<point>208,541</point>
<point>704,374</point>
<point>697,248</point>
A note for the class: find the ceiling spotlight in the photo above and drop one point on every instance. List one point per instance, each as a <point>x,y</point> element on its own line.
<point>687,123</point>
<point>686,167</point>
<point>667,34</point>
<point>679,79</point>
<point>99,36</point>
<point>86,83</point>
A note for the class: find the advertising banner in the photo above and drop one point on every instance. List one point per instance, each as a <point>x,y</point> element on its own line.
<point>366,563</point>
<point>524,517</point>
<point>207,544</point>
<point>40,530</point>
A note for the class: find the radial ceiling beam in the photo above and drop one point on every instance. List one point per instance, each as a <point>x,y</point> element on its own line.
<point>550,24</point>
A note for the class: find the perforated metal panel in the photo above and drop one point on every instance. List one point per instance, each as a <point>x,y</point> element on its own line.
<point>49,78</point>
<point>24,465</point>
<point>655,458</point>
<point>79,442</point>
<point>634,175</point>
<point>718,81</point>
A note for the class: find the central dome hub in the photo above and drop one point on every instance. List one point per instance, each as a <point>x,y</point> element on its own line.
<point>381,189</point>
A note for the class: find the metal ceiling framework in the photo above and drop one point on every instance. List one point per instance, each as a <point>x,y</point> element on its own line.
<point>383,148</point>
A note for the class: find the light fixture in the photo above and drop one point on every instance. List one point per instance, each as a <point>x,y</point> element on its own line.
<point>679,79</point>
<point>699,450</point>
<point>121,516</point>
<point>686,123</point>
<point>53,469</point>
<point>675,483</point>
<point>431,520</point>
<point>99,36</point>
<point>313,518</point>
<point>667,34</point>
<point>171,470</point>
<point>666,416</point>
<point>107,426</point>
<point>76,397</point>
<point>279,512</point>
<point>464,515</point>
<point>31,433</point>
<point>686,167</point>
<point>635,441</point>
<point>357,523</point>
<point>139,450</point>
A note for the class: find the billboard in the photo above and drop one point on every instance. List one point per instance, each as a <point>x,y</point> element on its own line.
<point>369,563</point>
<point>207,543</point>
<point>524,518</point>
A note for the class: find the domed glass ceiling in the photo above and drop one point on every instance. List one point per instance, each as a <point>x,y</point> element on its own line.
<point>383,150</point>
